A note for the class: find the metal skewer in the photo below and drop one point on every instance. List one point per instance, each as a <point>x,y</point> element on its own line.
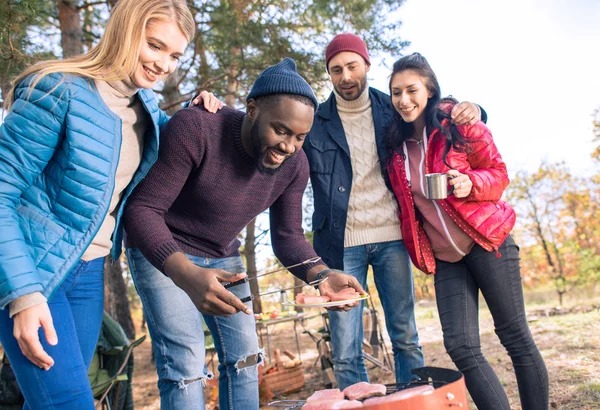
<point>246,279</point>
<point>290,404</point>
<point>306,262</point>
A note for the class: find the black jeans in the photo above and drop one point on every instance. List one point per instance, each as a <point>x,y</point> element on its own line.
<point>457,288</point>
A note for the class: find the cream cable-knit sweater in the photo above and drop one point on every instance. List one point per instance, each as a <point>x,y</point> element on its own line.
<point>120,97</point>
<point>372,208</point>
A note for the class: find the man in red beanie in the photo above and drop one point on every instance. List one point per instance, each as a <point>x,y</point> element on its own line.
<point>355,221</point>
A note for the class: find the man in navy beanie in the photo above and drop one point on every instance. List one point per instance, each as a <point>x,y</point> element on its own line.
<point>355,221</point>
<point>215,173</point>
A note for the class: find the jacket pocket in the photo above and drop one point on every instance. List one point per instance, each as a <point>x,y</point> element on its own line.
<point>40,232</point>
<point>318,221</point>
<point>321,156</point>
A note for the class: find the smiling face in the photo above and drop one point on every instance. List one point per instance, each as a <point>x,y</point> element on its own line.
<point>278,130</point>
<point>409,95</point>
<point>348,72</point>
<point>160,51</point>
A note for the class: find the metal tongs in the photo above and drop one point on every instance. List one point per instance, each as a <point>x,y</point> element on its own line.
<point>288,404</point>
<point>246,279</point>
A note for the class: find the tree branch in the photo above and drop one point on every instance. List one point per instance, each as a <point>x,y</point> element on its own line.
<point>189,95</point>
<point>91,4</point>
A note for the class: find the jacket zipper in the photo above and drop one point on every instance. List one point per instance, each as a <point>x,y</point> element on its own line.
<point>469,230</point>
<point>423,150</point>
<point>85,248</point>
<point>410,208</point>
<point>143,175</point>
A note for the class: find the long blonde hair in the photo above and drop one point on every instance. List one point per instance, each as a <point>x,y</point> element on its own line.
<point>112,58</point>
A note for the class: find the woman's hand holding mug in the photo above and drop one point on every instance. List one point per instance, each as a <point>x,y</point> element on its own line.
<point>436,185</point>
<point>461,183</point>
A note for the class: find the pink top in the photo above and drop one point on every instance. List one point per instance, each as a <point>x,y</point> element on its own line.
<point>448,242</point>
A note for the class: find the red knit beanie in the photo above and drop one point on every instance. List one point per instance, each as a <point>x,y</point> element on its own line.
<point>346,42</point>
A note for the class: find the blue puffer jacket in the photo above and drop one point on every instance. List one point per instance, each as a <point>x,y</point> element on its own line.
<point>58,157</point>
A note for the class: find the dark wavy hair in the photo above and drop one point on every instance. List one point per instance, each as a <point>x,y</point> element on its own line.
<point>400,130</point>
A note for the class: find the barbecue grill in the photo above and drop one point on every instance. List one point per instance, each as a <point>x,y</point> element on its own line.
<point>449,392</point>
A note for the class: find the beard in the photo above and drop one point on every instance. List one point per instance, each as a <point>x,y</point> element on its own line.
<point>260,165</point>
<point>361,86</point>
<point>260,153</point>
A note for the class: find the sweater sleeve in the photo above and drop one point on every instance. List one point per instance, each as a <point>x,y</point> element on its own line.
<point>29,137</point>
<point>144,218</point>
<point>25,302</point>
<point>488,171</point>
<point>287,235</point>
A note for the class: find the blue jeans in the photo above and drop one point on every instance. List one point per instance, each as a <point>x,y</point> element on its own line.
<point>457,287</point>
<point>393,279</point>
<point>177,333</point>
<point>76,308</point>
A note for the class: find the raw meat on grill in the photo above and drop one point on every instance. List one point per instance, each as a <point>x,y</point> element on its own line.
<point>329,394</point>
<point>400,395</point>
<point>332,405</point>
<point>362,390</point>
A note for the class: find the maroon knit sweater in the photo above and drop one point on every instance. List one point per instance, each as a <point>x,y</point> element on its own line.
<point>204,189</point>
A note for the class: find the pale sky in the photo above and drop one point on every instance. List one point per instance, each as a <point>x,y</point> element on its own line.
<point>534,65</point>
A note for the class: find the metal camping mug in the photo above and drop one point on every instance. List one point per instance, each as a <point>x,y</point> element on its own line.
<point>436,186</point>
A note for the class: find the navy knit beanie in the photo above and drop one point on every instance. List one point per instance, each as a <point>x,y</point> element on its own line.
<point>282,78</point>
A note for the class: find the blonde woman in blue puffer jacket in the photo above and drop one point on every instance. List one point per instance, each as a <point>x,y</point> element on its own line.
<point>80,133</point>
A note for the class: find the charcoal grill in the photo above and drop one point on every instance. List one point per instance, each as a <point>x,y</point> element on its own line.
<point>450,392</point>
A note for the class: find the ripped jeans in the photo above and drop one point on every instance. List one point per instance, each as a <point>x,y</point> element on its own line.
<point>178,339</point>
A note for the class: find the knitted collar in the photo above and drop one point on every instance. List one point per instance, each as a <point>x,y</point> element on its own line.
<point>361,103</point>
<point>124,88</point>
<point>236,129</point>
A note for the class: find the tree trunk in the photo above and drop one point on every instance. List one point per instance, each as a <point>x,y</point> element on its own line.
<point>116,303</point>
<point>232,87</point>
<point>250,254</point>
<point>70,27</point>
<point>558,275</point>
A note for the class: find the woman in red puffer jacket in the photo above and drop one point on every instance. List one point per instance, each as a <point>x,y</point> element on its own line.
<point>463,239</point>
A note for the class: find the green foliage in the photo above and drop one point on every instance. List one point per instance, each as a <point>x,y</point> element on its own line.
<point>236,40</point>
<point>19,39</point>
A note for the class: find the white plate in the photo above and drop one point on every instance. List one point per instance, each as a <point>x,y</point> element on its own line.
<point>327,304</point>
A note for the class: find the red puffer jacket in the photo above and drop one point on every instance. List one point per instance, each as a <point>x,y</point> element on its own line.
<point>482,215</point>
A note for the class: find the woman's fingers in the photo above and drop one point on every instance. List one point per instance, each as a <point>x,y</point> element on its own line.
<point>461,183</point>
<point>33,350</point>
<point>25,330</point>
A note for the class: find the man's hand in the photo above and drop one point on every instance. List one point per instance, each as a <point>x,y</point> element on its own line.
<point>211,103</point>
<point>26,326</point>
<point>203,286</point>
<point>338,281</point>
<point>465,113</point>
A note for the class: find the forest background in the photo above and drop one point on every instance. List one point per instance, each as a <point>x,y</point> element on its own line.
<point>558,209</point>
